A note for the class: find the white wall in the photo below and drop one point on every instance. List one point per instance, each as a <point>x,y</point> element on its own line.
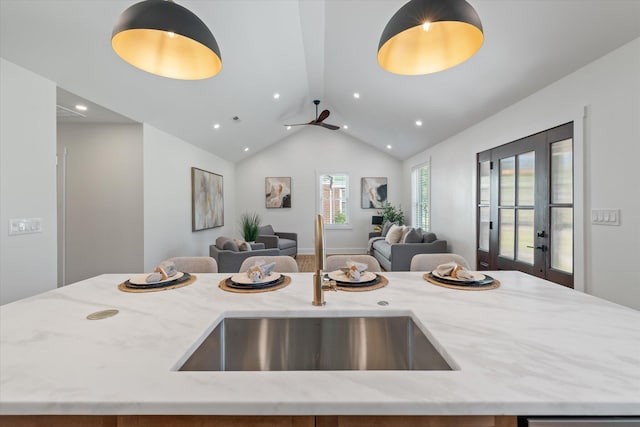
<point>607,143</point>
<point>104,200</point>
<point>167,197</point>
<point>27,181</point>
<point>301,156</point>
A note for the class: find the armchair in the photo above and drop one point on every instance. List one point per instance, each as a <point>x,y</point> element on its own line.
<point>229,258</point>
<point>286,242</point>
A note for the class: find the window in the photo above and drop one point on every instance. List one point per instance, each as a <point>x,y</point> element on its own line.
<point>420,196</point>
<point>334,199</point>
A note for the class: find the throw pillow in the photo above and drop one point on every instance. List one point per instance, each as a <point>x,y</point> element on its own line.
<point>413,236</point>
<point>230,245</point>
<point>428,237</point>
<point>394,235</point>
<point>386,227</point>
<point>220,241</point>
<point>242,245</point>
<point>405,230</point>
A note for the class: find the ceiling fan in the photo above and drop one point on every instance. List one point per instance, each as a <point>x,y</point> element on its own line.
<point>319,120</point>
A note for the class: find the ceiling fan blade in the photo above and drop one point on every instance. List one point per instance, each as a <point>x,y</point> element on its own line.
<point>322,116</point>
<point>319,119</point>
<point>328,126</point>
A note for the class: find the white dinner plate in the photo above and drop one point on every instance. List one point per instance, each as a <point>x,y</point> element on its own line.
<point>477,276</point>
<point>141,279</point>
<point>341,276</point>
<point>244,279</point>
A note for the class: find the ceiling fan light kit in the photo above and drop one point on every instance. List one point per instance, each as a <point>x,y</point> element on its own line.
<point>427,36</point>
<point>166,39</point>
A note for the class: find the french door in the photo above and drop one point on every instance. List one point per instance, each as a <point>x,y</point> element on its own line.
<point>525,206</point>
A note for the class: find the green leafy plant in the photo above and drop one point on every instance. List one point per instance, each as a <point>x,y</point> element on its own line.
<point>340,218</point>
<point>392,214</point>
<point>250,223</point>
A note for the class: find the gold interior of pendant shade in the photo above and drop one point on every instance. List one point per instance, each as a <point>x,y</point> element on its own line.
<point>416,51</point>
<point>173,56</point>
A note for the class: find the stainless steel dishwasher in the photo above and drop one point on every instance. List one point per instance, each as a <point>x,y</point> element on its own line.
<point>579,422</point>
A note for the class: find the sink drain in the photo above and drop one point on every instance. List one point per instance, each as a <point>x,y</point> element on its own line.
<point>103,314</point>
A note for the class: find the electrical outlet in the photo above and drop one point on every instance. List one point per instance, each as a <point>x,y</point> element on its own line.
<point>605,216</point>
<point>25,226</point>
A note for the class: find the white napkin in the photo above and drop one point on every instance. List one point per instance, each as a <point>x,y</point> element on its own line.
<point>453,270</point>
<point>260,270</point>
<point>355,269</point>
<point>163,271</point>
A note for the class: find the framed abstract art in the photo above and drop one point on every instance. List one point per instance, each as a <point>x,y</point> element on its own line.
<point>374,192</point>
<point>277,193</point>
<point>207,200</point>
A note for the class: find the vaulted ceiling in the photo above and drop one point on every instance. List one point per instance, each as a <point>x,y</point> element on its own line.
<point>313,49</point>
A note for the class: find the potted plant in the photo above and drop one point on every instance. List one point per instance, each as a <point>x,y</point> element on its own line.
<point>392,214</point>
<point>250,223</point>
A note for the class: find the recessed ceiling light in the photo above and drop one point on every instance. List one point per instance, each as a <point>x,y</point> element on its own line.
<point>81,107</point>
<point>276,95</point>
<point>418,122</point>
<point>356,95</point>
<point>216,126</point>
<point>288,127</point>
<point>388,147</point>
<point>345,127</point>
<point>246,149</point>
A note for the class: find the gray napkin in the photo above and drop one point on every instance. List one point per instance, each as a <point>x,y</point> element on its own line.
<point>260,270</point>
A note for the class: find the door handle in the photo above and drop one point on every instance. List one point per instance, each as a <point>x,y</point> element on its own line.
<point>543,248</point>
<point>542,233</point>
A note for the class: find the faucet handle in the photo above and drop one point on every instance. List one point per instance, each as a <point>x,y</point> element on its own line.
<point>329,285</point>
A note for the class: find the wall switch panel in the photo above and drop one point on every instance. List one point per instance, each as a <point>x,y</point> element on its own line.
<point>25,226</point>
<point>605,216</point>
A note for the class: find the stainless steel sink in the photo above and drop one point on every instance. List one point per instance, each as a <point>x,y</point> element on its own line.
<point>315,343</point>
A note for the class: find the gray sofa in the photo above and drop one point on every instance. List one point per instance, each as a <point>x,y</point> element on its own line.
<point>397,256</point>
<point>229,258</point>
<point>286,242</point>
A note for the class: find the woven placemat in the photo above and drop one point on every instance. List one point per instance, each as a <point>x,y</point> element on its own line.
<point>224,287</point>
<point>124,288</point>
<point>382,282</point>
<point>493,285</point>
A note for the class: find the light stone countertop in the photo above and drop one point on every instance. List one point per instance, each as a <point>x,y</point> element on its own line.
<point>529,347</point>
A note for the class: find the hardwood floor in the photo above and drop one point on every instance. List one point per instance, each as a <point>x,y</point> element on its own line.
<point>306,263</point>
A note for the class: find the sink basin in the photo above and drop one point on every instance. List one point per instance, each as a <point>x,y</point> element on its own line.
<point>315,343</point>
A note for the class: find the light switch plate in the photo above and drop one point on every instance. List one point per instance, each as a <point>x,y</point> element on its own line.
<point>605,216</point>
<point>25,226</point>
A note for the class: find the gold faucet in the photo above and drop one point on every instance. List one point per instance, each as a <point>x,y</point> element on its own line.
<point>318,286</point>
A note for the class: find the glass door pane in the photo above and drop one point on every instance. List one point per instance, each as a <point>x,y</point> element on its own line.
<point>526,179</point>
<point>525,236</point>
<point>508,181</point>
<point>483,237</point>
<point>507,233</point>
<point>485,182</point>
<point>562,239</point>
<point>562,171</point>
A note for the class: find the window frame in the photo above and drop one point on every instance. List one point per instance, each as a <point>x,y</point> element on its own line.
<point>414,195</point>
<point>347,202</point>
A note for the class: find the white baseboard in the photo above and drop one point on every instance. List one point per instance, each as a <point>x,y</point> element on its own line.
<point>333,251</point>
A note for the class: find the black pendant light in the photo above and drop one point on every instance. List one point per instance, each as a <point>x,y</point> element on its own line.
<point>426,36</point>
<point>164,38</point>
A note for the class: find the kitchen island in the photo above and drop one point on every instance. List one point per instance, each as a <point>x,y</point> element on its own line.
<point>529,347</point>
